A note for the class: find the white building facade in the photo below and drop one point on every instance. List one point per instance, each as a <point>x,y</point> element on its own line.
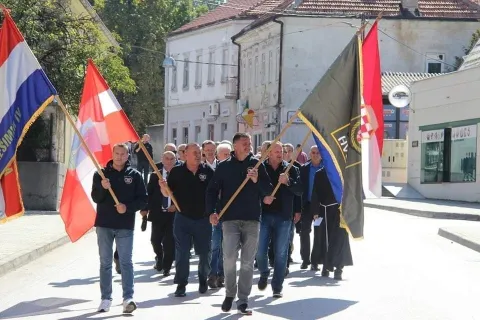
<point>444,136</point>
<point>201,91</point>
<point>283,59</point>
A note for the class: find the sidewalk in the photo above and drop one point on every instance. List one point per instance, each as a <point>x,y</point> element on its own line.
<point>29,237</point>
<point>439,209</point>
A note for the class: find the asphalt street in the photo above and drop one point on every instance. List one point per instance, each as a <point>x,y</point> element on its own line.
<point>403,270</point>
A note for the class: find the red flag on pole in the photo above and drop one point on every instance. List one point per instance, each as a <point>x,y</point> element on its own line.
<point>102,123</point>
<point>373,100</point>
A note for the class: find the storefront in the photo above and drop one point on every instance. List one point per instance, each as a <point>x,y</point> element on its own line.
<point>444,136</point>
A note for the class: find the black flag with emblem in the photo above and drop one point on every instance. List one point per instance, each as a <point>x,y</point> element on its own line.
<point>332,112</point>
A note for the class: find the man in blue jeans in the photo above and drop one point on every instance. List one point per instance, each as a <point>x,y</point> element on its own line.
<point>188,182</point>
<point>276,221</point>
<point>116,222</point>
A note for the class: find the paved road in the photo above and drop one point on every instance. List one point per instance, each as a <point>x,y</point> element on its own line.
<point>403,270</point>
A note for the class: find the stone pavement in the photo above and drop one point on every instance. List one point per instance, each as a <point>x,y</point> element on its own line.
<point>29,237</point>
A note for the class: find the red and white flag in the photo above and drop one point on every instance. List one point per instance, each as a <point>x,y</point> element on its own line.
<point>372,116</point>
<point>102,123</point>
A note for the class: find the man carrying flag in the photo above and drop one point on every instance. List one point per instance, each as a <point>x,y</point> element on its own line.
<point>25,91</point>
<point>332,112</point>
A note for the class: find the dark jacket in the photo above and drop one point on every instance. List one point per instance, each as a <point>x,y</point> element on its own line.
<point>129,189</point>
<point>286,194</point>
<point>228,176</point>
<point>141,157</point>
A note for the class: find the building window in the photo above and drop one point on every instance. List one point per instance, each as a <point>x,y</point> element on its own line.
<point>186,80</point>
<point>211,67</point>
<point>250,73</point>
<point>224,65</point>
<point>198,72</point>
<point>277,64</point>
<point>211,130</point>
<point>174,136</point>
<point>185,135</point>
<point>435,62</point>
<point>262,69</point>
<point>432,156</point>
<point>463,154</point>
<point>174,79</point>
<point>198,129</point>
<point>256,72</point>
<point>223,131</point>
<point>244,76</point>
<point>270,66</point>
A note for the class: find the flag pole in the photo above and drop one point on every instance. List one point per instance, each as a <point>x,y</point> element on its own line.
<point>85,146</point>
<point>292,161</point>
<point>157,172</point>
<point>264,156</point>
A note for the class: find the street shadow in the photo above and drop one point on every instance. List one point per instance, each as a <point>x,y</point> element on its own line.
<point>39,307</point>
<point>311,308</point>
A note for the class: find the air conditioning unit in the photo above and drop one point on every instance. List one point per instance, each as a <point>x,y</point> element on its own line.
<point>214,109</point>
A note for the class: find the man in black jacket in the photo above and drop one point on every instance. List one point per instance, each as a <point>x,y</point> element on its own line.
<point>241,221</point>
<point>161,212</point>
<point>116,222</point>
<point>142,162</point>
<point>188,182</point>
<point>277,220</point>
<point>307,174</point>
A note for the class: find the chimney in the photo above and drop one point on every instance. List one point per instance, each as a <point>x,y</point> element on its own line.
<point>410,5</point>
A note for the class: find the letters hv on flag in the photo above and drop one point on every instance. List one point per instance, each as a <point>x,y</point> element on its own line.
<point>25,91</point>
<point>372,144</point>
<point>332,112</point>
<point>102,123</point>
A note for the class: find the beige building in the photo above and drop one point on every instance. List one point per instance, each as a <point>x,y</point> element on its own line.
<point>444,136</point>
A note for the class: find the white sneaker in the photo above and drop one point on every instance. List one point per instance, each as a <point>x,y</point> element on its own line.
<point>105,306</point>
<point>129,306</point>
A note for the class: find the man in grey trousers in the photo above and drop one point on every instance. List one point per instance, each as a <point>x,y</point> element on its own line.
<point>241,221</point>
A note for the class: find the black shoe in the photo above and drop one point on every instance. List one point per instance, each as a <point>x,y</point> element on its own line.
<point>220,282</point>
<point>212,282</point>
<point>314,267</point>
<point>337,275</point>
<point>181,291</point>
<point>203,287</point>
<point>243,309</point>
<point>227,304</point>
<point>262,283</point>
<point>117,266</point>
<point>325,273</point>
<point>304,265</point>
<point>166,273</point>
<point>277,294</point>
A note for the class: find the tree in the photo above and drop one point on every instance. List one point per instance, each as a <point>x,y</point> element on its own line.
<point>142,27</point>
<point>62,41</point>
<point>466,50</point>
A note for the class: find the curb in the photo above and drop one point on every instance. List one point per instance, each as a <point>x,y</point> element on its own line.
<point>459,239</point>
<point>426,214</point>
<point>34,254</point>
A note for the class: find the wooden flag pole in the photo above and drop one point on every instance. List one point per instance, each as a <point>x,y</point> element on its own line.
<point>264,156</point>
<point>292,161</point>
<point>85,146</point>
<point>157,172</point>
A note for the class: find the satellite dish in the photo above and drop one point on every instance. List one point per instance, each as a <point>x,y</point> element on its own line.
<point>400,96</point>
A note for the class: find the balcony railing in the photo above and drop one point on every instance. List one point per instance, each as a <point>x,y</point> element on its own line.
<point>231,88</point>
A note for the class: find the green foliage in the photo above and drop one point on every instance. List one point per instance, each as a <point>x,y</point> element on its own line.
<point>62,41</point>
<point>142,27</point>
<point>466,50</point>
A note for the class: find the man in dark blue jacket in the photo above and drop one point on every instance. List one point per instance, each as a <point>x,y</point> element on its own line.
<point>277,220</point>
<point>307,175</point>
<point>241,221</point>
<point>117,222</point>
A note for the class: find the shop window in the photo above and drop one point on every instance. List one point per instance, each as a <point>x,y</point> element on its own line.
<point>463,156</point>
<point>432,160</point>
